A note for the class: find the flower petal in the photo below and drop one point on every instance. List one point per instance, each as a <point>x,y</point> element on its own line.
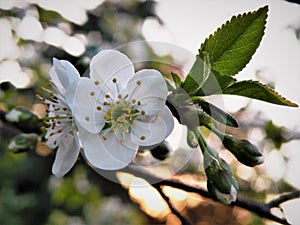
<point>110,64</point>
<point>63,74</point>
<point>107,154</point>
<point>66,155</point>
<point>153,130</point>
<point>87,99</point>
<point>149,89</point>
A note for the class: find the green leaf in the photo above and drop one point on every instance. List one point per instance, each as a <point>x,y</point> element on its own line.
<point>231,47</point>
<point>215,84</point>
<point>215,112</point>
<point>256,90</point>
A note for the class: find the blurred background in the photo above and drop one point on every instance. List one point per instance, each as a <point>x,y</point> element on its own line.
<point>32,32</point>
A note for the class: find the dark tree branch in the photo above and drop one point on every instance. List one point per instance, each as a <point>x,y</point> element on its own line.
<point>261,209</point>
<point>172,208</point>
<point>283,198</point>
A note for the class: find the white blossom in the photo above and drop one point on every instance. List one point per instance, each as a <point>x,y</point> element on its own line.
<point>119,110</point>
<point>60,129</point>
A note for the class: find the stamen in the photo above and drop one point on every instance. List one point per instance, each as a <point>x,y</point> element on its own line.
<point>142,138</point>
<point>97,82</point>
<point>105,103</point>
<point>138,82</point>
<point>92,93</point>
<point>98,107</point>
<point>133,101</point>
<point>143,112</point>
<point>104,138</point>
<point>107,96</point>
<point>87,118</point>
<point>114,80</point>
<point>139,103</point>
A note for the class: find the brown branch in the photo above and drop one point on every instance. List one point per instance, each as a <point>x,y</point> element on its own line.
<point>261,209</point>
<point>172,208</point>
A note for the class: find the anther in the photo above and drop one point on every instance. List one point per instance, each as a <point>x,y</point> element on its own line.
<point>54,142</point>
<point>143,112</point>
<point>114,80</point>
<point>98,107</point>
<point>107,96</point>
<point>65,108</point>
<point>138,82</point>
<point>133,101</point>
<point>87,118</point>
<point>142,138</point>
<point>120,96</point>
<point>104,138</point>
<point>139,103</point>
<point>112,131</point>
<point>92,93</point>
<point>59,131</point>
<point>97,82</point>
<point>122,140</point>
<point>105,103</point>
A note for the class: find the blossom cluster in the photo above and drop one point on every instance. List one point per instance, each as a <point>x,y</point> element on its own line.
<point>110,115</point>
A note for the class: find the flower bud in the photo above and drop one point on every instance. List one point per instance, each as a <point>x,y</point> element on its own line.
<point>220,182</point>
<point>23,142</point>
<point>162,151</point>
<point>20,114</point>
<point>243,150</point>
<point>191,140</point>
<point>225,198</point>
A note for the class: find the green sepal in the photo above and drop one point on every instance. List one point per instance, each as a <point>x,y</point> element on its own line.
<point>215,112</point>
<point>176,79</point>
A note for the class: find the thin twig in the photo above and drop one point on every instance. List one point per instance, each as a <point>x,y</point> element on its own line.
<point>183,220</point>
<point>261,209</point>
<point>283,198</point>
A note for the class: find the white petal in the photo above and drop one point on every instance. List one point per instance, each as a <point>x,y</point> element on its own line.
<point>125,139</point>
<point>149,87</point>
<point>107,154</point>
<point>66,155</point>
<point>109,64</point>
<point>70,94</point>
<point>63,74</point>
<point>87,98</point>
<point>153,130</point>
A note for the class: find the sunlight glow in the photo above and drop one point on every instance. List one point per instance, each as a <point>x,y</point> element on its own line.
<point>149,199</point>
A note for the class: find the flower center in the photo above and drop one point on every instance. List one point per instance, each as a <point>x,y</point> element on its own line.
<point>120,115</point>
